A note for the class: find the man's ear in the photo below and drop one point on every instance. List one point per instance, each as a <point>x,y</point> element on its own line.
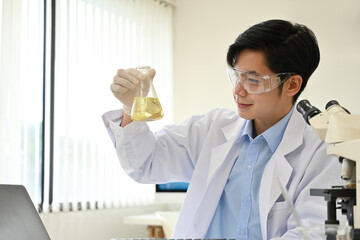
<point>293,85</point>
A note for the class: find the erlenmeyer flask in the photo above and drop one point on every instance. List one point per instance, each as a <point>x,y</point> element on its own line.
<point>146,106</point>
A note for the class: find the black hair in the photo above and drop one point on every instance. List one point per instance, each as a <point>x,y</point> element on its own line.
<point>287,47</point>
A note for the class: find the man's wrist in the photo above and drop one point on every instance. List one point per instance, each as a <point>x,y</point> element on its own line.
<point>126,120</point>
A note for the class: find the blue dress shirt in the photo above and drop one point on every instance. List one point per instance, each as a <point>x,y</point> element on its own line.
<point>237,214</point>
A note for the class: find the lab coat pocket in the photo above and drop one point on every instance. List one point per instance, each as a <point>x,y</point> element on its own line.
<point>277,218</point>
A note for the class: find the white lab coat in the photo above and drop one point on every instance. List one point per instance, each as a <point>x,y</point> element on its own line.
<point>203,150</point>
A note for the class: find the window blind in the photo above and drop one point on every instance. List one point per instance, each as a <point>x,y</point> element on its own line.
<point>92,39</point>
<point>21,98</point>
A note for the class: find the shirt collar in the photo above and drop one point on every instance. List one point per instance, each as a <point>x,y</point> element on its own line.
<point>247,129</point>
<point>273,135</point>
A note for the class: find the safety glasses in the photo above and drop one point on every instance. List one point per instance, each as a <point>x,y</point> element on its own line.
<point>256,84</point>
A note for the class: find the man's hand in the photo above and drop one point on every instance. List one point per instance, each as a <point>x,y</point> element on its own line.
<point>126,86</point>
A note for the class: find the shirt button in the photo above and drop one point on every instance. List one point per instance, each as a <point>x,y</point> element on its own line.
<point>242,232</point>
<point>245,199</point>
<point>248,167</point>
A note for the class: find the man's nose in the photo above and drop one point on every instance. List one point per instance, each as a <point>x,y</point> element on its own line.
<point>239,89</point>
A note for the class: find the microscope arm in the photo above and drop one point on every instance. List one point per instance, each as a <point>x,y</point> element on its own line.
<point>349,150</point>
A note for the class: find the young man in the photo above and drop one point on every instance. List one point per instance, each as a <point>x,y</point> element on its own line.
<point>234,160</point>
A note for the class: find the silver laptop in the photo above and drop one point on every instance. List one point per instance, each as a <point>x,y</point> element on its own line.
<point>19,218</point>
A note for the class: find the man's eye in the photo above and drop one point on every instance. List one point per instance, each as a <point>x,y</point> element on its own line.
<point>252,80</point>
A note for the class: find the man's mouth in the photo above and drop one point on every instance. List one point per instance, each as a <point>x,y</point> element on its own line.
<point>243,105</point>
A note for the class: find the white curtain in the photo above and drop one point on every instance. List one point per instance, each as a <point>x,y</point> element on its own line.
<point>93,40</point>
<point>21,98</point>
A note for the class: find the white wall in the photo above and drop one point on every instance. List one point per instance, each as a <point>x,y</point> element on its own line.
<point>203,30</point>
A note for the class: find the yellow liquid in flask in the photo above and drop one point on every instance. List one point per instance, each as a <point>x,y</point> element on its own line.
<point>146,109</point>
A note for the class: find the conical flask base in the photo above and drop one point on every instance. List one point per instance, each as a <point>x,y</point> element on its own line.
<point>146,109</point>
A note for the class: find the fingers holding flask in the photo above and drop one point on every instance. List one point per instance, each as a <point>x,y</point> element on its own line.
<point>125,79</point>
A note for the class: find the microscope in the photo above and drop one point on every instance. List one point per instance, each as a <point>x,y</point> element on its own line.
<point>341,130</point>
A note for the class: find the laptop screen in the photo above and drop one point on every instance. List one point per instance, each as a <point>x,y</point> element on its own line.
<point>18,216</point>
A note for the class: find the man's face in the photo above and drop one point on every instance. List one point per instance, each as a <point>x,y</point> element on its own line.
<point>266,108</point>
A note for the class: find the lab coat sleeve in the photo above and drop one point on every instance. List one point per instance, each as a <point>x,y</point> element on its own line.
<point>169,155</point>
<point>112,117</point>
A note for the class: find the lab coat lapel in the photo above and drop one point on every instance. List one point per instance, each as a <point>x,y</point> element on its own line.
<point>221,161</point>
<point>221,154</point>
<point>279,167</point>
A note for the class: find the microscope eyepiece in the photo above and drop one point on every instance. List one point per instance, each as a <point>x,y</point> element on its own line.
<point>307,110</point>
<point>331,103</point>
<point>335,103</point>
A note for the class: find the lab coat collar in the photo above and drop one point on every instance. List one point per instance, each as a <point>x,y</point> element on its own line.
<point>279,167</point>
<point>233,130</point>
<point>293,136</point>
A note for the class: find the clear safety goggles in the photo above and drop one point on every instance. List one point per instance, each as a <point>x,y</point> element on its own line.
<point>256,84</point>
